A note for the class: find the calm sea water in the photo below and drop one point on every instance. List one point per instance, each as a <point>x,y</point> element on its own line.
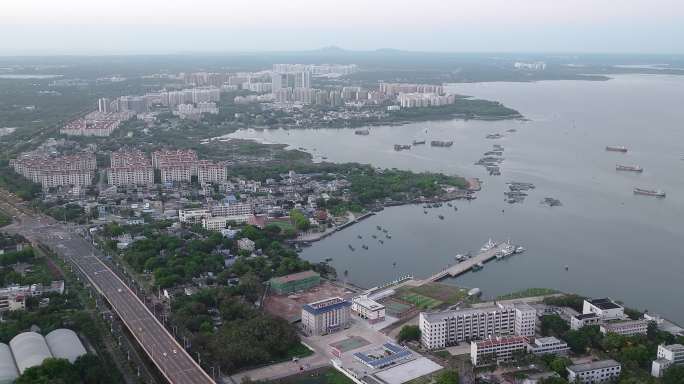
<point>614,243</point>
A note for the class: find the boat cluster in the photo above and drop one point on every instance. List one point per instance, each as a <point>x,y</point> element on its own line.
<point>492,160</point>
<point>433,143</point>
<point>383,232</point>
<point>517,191</point>
<point>636,169</point>
<point>551,202</point>
<point>438,205</point>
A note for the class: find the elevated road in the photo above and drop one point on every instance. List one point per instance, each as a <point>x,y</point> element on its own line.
<point>174,363</point>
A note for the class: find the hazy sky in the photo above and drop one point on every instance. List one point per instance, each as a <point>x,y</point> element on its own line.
<point>167,26</point>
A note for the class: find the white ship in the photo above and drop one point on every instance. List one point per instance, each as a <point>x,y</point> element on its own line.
<point>488,245</point>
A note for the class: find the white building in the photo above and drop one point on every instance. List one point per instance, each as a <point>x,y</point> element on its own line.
<point>368,309</point>
<point>442,329</point>
<point>246,244</point>
<point>70,170</point>
<point>496,350</point>
<point>625,328</point>
<point>583,320</point>
<point>605,308</point>
<point>326,316</point>
<point>210,172</point>
<point>548,346</point>
<point>193,216</point>
<point>592,373</point>
<point>217,223</point>
<point>232,209</point>
<point>668,355</point>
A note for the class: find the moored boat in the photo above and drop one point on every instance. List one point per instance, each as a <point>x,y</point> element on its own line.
<point>630,168</point>
<point>616,148</point>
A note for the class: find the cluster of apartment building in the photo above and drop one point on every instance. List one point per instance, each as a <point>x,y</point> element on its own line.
<point>421,100</point>
<point>180,165</point>
<point>192,111</point>
<point>216,216</point>
<point>13,297</point>
<point>445,328</point>
<point>130,168</point>
<point>98,123</point>
<point>56,171</point>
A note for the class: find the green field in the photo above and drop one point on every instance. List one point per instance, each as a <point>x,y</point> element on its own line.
<point>420,301</point>
<point>320,376</point>
<point>530,292</point>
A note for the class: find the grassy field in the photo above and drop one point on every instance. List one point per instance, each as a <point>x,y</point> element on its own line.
<point>429,296</point>
<point>322,376</point>
<point>530,292</point>
<point>420,301</point>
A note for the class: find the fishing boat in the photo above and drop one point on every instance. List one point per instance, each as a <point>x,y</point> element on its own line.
<point>351,248</point>
<point>441,217</point>
<point>364,246</point>
<point>360,237</point>
<point>478,266</point>
<point>649,192</point>
<point>616,148</point>
<point>629,168</point>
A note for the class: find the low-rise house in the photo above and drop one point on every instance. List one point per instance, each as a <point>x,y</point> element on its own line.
<point>593,373</point>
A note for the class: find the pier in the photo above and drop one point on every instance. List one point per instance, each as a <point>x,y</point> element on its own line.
<point>465,265</point>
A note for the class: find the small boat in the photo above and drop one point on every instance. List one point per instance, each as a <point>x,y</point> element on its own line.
<point>388,236</point>
<point>455,208</point>
<point>566,267</point>
<point>425,212</point>
<point>364,246</point>
<point>616,148</point>
<point>362,132</point>
<point>360,237</point>
<point>649,192</point>
<point>488,245</point>
<point>449,205</point>
<point>478,266</point>
<point>328,259</point>
<point>459,258</point>
<point>351,248</point>
<point>418,142</point>
<point>630,168</point>
<point>378,227</point>
<point>441,217</point>
<point>520,249</point>
<point>381,242</point>
<point>384,230</point>
<point>375,237</point>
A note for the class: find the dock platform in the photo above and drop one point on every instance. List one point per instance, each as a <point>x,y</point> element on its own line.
<point>465,265</point>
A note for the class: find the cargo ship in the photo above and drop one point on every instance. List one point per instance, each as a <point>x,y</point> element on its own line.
<point>649,192</point>
<point>439,143</point>
<point>401,147</point>
<point>362,132</point>
<point>630,168</point>
<point>418,142</point>
<point>616,148</point>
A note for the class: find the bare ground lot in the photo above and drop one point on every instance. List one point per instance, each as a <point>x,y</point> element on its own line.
<point>289,307</point>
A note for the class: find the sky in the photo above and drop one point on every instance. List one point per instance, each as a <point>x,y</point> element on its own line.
<point>182,26</point>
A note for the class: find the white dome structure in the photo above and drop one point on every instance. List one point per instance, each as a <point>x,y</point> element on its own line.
<point>64,344</point>
<point>8,371</point>
<point>29,350</point>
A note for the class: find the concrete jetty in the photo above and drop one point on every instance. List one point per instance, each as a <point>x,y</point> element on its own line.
<point>466,265</point>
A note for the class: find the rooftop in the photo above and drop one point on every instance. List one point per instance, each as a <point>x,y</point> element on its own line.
<point>583,316</point>
<point>604,303</point>
<point>326,305</point>
<point>593,365</point>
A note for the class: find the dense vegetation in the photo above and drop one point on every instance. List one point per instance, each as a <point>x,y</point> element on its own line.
<point>244,337</point>
<point>173,260</point>
<point>16,183</point>
<point>87,369</point>
<point>634,352</point>
<point>464,107</point>
<point>409,333</point>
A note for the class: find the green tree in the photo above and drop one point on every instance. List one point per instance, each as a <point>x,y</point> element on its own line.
<point>674,375</point>
<point>448,376</point>
<point>559,364</point>
<point>553,325</point>
<point>409,333</point>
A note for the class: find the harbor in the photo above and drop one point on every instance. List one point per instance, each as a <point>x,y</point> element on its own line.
<point>488,252</point>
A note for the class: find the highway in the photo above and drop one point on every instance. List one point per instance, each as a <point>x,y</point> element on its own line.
<point>174,363</point>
